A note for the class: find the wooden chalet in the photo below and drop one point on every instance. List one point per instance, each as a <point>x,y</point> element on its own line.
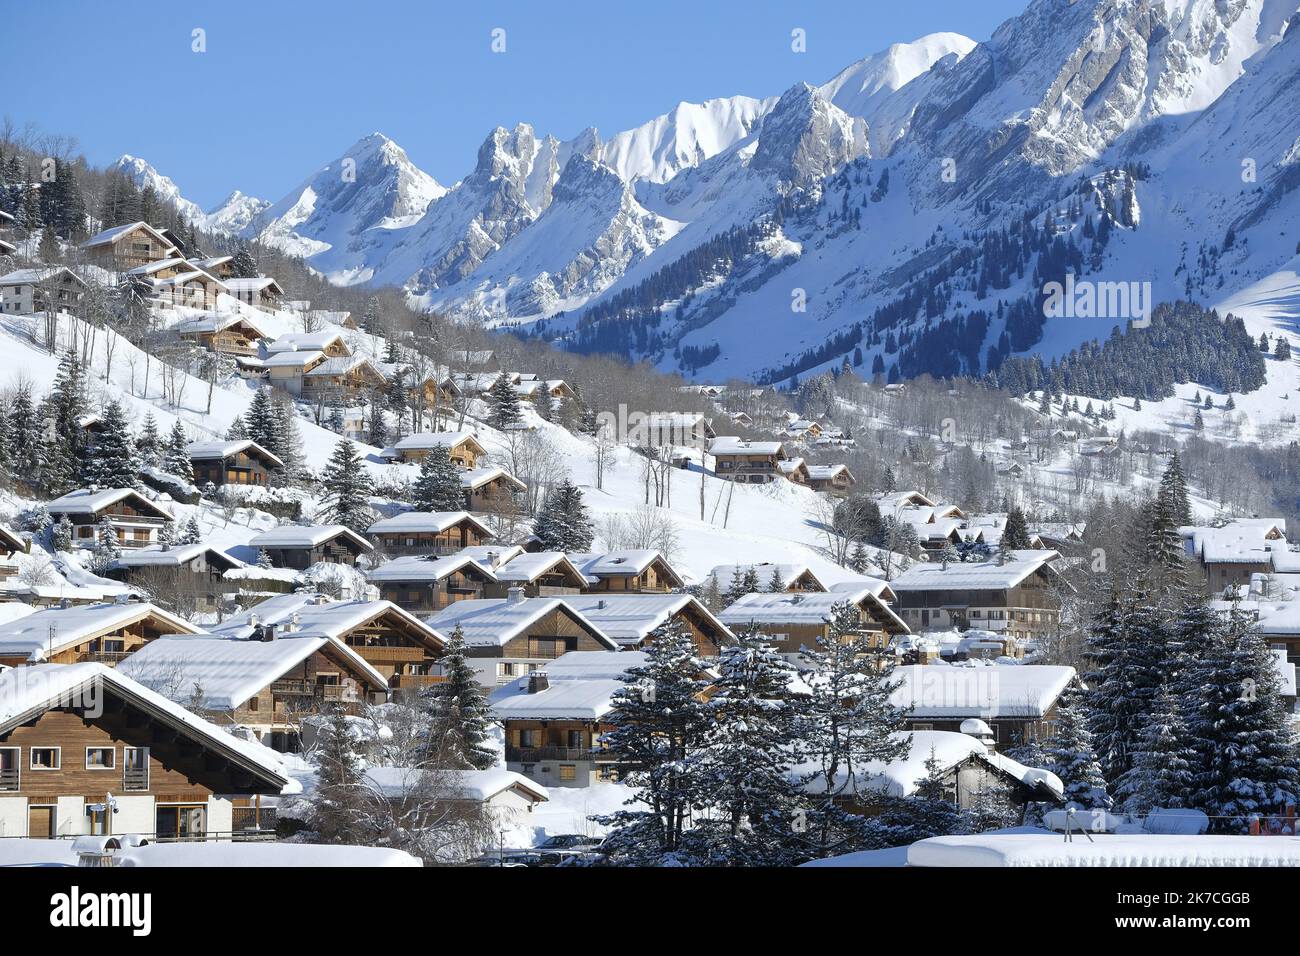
<point>10,545</point>
<point>261,292</point>
<point>1018,594</point>
<point>136,520</point>
<point>427,533</point>
<point>99,633</point>
<point>832,479</point>
<point>462,448</point>
<point>632,619</point>
<point>300,546</point>
<point>794,621</point>
<point>747,462</point>
<point>538,574</point>
<point>223,334</point>
<point>627,571</point>
<point>515,635</point>
<point>490,490</point>
<point>126,247</point>
<point>240,462</point>
<point>189,574</point>
<point>52,289</point>
<point>425,585</point>
<point>86,750</point>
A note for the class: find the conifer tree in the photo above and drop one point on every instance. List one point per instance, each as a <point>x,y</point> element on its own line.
<point>562,523</point>
<point>1015,536</point>
<point>503,404</point>
<point>458,710</point>
<point>736,587</point>
<point>148,444</point>
<point>61,534</point>
<point>347,487</point>
<point>438,487</point>
<point>776,584</point>
<point>192,533</point>
<point>660,730</point>
<point>107,549</point>
<point>1073,757</point>
<point>337,802</point>
<point>24,437</point>
<point>113,464</point>
<point>1249,755</point>
<point>1163,762</point>
<point>176,457</point>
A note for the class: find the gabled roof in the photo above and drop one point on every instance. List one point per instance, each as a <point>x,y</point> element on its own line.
<point>215,322</point>
<point>10,541</point>
<point>582,685</point>
<point>27,692</point>
<point>228,670</point>
<point>724,573</point>
<point>109,236</point>
<point>1008,691</point>
<point>253,284</point>
<point>790,607</point>
<point>621,564</point>
<point>428,569</point>
<point>38,275</point>
<point>344,364</point>
<point>481,785</point>
<point>307,536</point>
<point>86,501</point>
<point>423,440</point>
<point>828,472</point>
<point>54,629</point>
<point>305,341</point>
<point>975,576</point>
<point>149,268</point>
<point>631,618</point>
<point>730,445</point>
<point>206,450</point>
<point>293,359</point>
<point>155,555</point>
<point>426,522</point>
<point>478,477</point>
<point>527,568</point>
<point>494,622</point>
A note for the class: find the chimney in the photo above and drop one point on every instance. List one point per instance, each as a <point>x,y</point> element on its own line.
<point>538,681</point>
<point>600,605</point>
<point>515,596</point>
<point>492,558</point>
<point>264,633</point>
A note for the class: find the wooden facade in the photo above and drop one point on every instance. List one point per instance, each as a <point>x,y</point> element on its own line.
<point>340,549</point>
<point>422,596</point>
<point>248,466</point>
<point>135,519</point>
<point>129,248</point>
<point>466,533</point>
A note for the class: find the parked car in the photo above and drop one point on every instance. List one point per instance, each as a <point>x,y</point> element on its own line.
<point>569,841</point>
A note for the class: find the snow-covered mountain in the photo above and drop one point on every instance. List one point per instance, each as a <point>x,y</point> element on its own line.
<point>844,220</point>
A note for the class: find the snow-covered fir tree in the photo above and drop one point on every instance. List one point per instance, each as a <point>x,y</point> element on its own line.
<point>458,710</point>
<point>562,523</point>
<point>503,404</point>
<point>1015,535</point>
<point>776,584</point>
<point>107,548</point>
<point>438,486</point>
<point>175,455</point>
<point>661,728</point>
<point>1163,765</point>
<point>1073,757</point>
<point>347,487</point>
<point>113,464</point>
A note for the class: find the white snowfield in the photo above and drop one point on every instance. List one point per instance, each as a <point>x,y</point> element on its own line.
<point>1044,849</point>
<point>25,852</point>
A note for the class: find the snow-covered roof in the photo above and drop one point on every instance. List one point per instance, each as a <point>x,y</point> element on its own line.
<point>36,276</point>
<point>342,365</point>
<point>216,322</point>
<point>427,568</point>
<point>1104,849</point>
<point>202,450</point>
<point>313,614</point>
<point>974,576</point>
<point>793,607</point>
<point>631,618</point>
<point>419,441</point>
<point>527,567</point>
<point>434,522</point>
<point>27,691</point>
<point>54,629</point>
<point>304,341</point>
<point>954,692</point>
<point>307,536</point>
<point>225,671</point>
<point>480,785</point>
<point>478,477</point>
<point>581,686</point>
<point>292,359</point>
<point>87,501</point>
<point>109,236</point>
<point>626,563</point>
<point>827,472</point>
<point>494,622</point>
<point>731,445</point>
<point>156,555</point>
<point>724,573</point>
<point>902,777</point>
<point>252,284</point>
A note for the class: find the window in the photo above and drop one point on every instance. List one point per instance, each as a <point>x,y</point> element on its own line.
<point>45,758</point>
<point>9,769</point>
<point>568,772</point>
<point>528,738</point>
<point>101,758</point>
<point>923,726</point>
<point>135,768</point>
<point>575,739</point>
<point>97,819</point>
<point>252,704</point>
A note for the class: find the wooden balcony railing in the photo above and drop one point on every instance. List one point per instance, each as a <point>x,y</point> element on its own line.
<point>9,780</point>
<point>135,778</point>
<point>533,754</point>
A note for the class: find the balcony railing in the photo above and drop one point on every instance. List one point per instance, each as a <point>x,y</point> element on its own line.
<point>303,688</point>
<point>135,778</point>
<point>111,658</point>
<point>534,754</point>
<point>9,779</point>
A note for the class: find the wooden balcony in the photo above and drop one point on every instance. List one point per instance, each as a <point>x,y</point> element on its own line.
<point>386,654</point>
<point>303,688</point>
<point>9,780</point>
<point>135,779</point>
<point>109,658</point>
<point>534,754</point>
<point>417,681</point>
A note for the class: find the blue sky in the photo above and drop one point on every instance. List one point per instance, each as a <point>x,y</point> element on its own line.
<point>285,87</point>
